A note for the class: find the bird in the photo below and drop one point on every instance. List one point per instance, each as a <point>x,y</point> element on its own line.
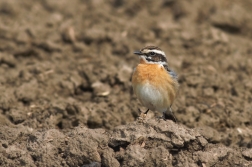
<point>154,83</point>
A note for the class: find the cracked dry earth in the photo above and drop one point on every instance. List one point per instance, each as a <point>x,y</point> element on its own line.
<point>66,97</point>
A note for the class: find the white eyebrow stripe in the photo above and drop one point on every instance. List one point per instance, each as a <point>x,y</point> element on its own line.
<point>157,51</point>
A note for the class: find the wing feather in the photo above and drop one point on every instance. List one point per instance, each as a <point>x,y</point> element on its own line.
<point>170,72</point>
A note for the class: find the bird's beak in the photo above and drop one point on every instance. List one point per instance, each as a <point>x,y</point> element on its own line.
<point>138,53</point>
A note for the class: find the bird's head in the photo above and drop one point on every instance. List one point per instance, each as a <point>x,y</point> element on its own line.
<point>151,55</point>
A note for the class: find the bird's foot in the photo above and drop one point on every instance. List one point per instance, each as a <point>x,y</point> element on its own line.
<point>142,115</point>
<point>169,116</point>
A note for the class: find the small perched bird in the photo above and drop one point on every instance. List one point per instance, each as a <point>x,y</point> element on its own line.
<point>154,83</point>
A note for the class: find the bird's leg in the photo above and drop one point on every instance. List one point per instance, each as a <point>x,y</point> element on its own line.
<point>142,114</point>
<point>163,116</point>
<point>172,115</point>
<point>146,111</point>
<point>139,110</point>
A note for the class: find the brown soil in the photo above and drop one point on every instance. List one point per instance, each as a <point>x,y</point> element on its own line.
<point>66,96</point>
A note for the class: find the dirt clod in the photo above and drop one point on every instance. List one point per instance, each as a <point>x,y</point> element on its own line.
<point>66,96</point>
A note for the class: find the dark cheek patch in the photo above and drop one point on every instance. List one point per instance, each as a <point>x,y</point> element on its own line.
<point>163,59</point>
<point>156,58</point>
<point>159,58</point>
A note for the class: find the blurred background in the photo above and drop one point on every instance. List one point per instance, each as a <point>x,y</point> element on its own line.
<point>68,63</point>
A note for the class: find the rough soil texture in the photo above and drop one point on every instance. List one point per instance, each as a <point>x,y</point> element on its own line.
<point>66,97</point>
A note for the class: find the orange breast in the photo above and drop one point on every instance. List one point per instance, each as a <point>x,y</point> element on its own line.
<point>157,76</point>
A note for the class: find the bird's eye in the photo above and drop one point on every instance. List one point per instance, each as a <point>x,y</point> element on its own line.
<point>152,53</point>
